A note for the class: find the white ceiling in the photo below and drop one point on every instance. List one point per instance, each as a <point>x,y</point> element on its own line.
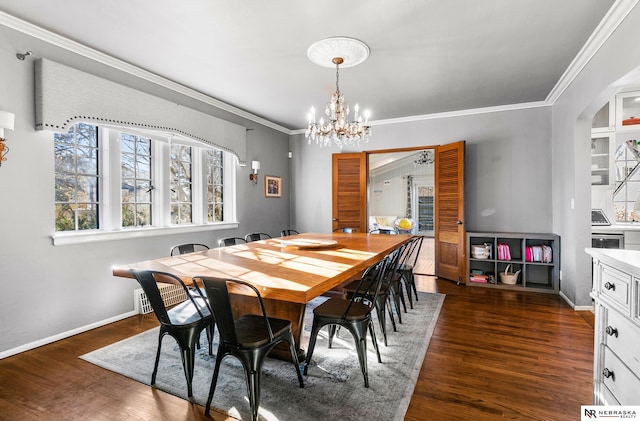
<point>426,56</point>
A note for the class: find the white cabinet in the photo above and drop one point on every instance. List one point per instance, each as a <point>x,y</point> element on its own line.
<point>616,366</point>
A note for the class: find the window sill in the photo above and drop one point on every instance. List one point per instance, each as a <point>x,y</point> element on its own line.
<point>67,238</point>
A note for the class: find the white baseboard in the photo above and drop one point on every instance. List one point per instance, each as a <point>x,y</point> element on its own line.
<point>63,335</point>
<point>575,307</point>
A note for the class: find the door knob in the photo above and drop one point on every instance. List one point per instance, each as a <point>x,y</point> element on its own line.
<point>459,222</point>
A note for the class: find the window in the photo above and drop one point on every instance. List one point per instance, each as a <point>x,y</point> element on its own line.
<point>147,181</point>
<point>180,184</point>
<point>76,175</point>
<point>214,171</point>
<point>136,185</point>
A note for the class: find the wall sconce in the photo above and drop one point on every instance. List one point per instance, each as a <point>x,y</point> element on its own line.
<point>255,166</point>
<point>6,122</point>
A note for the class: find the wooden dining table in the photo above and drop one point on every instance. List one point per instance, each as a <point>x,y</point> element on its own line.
<point>288,271</point>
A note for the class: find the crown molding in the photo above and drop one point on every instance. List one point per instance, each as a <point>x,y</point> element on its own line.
<point>75,47</point>
<point>449,114</point>
<point>614,17</point>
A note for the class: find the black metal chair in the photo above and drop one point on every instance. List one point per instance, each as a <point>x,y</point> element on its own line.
<point>256,236</point>
<point>230,241</point>
<point>286,233</point>
<point>184,322</point>
<point>353,314</point>
<point>249,338</point>
<point>346,230</point>
<point>407,265</point>
<point>187,248</point>
<point>388,293</point>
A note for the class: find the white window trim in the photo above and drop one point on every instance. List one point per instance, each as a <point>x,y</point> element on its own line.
<point>110,209</point>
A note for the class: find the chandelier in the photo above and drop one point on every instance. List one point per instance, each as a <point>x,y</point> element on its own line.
<point>425,157</point>
<point>338,128</point>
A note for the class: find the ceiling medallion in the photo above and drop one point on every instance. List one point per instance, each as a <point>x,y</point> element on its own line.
<point>345,52</point>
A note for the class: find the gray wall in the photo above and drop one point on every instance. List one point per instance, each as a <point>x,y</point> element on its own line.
<point>615,65</point>
<point>47,291</point>
<point>507,182</point>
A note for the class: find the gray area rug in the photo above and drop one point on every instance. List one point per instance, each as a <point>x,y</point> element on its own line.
<point>334,387</point>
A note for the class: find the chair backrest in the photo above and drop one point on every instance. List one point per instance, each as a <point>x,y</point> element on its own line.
<point>368,288</point>
<point>230,241</point>
<point>346,230</point>
<point>413,251</point>
<point>217,290</point>
<point>285,233</point>
<point>256,236</point>
<point>148,280</point>
<point>187,248</point>
<point>393,262</point>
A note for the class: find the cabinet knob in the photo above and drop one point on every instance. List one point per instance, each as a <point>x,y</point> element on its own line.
<point>611,331</point>
<point>610,286</point>
<point>608,373</point>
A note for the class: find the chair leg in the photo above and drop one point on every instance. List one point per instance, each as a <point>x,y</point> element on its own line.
<point>214,379</point>
<point>407,286</point>
<point>372,330</point>
<point>390,311</point>
<point>155,366</point>
<point>383,323</point>
<point>294,359</point>
<point>253,388</point>
<point>188,362</point>
<point>332,333</point>
<point>359,332</point>
<point>393,295</point>
<point>312,343</point>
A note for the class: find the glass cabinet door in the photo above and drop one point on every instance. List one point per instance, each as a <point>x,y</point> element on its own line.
<point>601,147</point>
<point>628,111</point>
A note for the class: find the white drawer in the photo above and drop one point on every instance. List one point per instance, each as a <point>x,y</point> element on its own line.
<point>624,385</point>
<point>606,397</point>
<point>623,337</point>
<point>615,285</point>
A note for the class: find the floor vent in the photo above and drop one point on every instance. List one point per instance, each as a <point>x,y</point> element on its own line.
<point>171,295</point>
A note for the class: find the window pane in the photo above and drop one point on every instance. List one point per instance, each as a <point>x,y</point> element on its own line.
<point>143,166</point>
<point>76,179</point>
<point>126,163</point>
<point>143,215</point>
<point>87,135</point>
<point>65,188</point>
<point>87,190</point>
<point>128,215</point>
<point>87,217</point>
<point>143,192</point>
<point>87,160</point>
<point>65,217</point>
<point>143,146</point>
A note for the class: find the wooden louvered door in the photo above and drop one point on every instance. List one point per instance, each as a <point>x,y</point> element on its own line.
<point>350,191</point>
<point>450,249</point>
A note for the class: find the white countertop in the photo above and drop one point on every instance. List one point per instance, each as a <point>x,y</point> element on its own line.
<point>615,229</point>
<point>623,259</point>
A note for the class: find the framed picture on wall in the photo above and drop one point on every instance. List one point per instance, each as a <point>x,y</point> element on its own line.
<point>272,186</point>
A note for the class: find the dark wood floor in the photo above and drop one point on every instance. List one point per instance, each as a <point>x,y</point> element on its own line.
<point>495,354</point>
